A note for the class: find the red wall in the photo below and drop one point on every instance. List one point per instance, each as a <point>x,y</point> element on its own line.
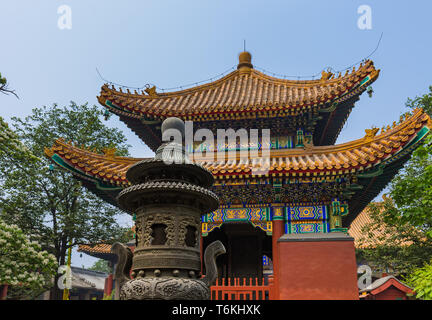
<point>317,270</point>
<point>390,293</point>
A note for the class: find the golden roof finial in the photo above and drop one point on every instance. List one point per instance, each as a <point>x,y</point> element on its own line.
<point>245,60</point>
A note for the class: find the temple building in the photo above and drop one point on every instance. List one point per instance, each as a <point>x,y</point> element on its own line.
<point>387,288</point>
<point>311,189</point>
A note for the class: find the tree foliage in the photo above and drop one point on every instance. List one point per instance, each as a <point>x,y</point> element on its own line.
<point>411,189</point>
<point>102,266</point>
<point>23,263</point>
<point>48,203</point>
<point>11,146</point>
<point>390,244</point>
<point>110,296</point>
<point>421,280</point>
<point>404,219</point>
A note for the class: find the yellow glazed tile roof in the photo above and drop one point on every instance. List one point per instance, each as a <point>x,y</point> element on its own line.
<point>378,234</point>
<point>357,226</point>
<point>339,159</point>
<point>243,93</point>
<point>98,248</point>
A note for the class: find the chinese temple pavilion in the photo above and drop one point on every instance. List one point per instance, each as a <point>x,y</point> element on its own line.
<point>313,189</point>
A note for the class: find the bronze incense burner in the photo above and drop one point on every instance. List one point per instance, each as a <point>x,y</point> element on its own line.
<point>169,194</point>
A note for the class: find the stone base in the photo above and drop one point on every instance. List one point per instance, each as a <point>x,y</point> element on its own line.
<point>319,266</point>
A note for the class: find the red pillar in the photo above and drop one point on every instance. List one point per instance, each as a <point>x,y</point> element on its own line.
<point>4,291</point>
<point>278,230</point>
<point>108,285</point>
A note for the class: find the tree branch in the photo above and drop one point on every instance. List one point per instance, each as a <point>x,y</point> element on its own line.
<point>5,90</point>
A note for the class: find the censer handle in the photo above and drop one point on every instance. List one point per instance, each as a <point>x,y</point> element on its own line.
<point>124,265</point>
<point>212,251</point>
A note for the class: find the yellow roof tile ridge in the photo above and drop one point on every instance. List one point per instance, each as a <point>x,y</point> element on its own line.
<point>172,93</point>
<point>253,74</point>
<point>71,149</point>
<point>318,82</point>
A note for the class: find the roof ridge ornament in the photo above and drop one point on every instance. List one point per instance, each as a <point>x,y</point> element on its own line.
<point>326,75</point>
<point>370,133</point>
<point>109,152</point>
<point>245,61</point>
<point>151,91</point>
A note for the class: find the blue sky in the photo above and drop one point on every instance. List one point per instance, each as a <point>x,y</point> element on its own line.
<point>172,43</point>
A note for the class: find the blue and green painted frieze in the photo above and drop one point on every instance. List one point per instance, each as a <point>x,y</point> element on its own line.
<point>297,219</point>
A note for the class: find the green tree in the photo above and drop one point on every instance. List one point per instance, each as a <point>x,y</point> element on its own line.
<point>46,202</point>
<point>9,140</point>
<point>411,189</point>
<point>390,244</point>
<point>24,267</point>
<point>421,280</point>
<point>102,266</point>
<point>405,218</point>
<point>110,296</point>
<point>12,147</point>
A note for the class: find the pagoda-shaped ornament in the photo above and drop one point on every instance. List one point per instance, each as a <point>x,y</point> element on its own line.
<point>169,194</point>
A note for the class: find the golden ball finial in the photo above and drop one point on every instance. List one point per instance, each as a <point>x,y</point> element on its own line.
<point>245,60</point>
